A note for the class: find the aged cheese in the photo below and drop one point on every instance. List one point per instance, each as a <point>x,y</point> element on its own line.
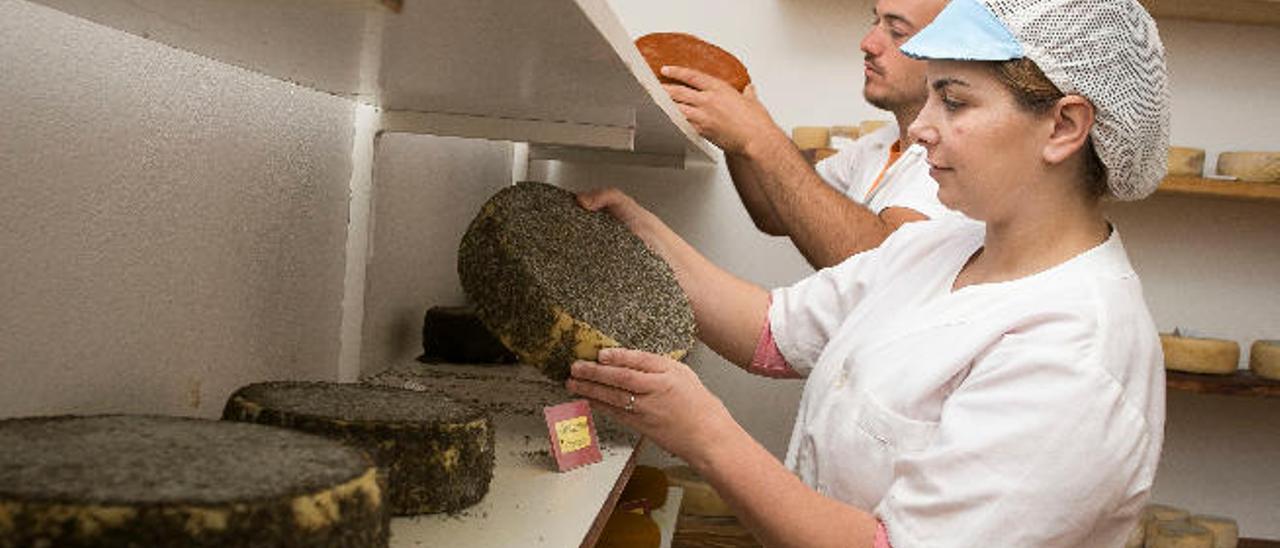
<point>1186,162</point>
<point>811,137</point>
<point>1226,534</point>
<point>557,283</point>
<point>1258,167</point>
<point>700,499</point>
<point>685,50</point>
<point>1198,355</point>
<point>164,481</point>
<point>843,137</point>
<point>1264,359</point>
<point>1154,514</point>
<point>647,488</point>
<point>868,126</point>
<point>1137,536</point>
<point>628,530</point>
<point>1179,534</point>
<point>437,453</point>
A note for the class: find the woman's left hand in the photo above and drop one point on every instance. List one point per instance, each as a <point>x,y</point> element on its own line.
<point>657,396</point>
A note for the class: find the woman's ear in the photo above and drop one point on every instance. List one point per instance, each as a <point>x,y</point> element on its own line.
<point>1072,121</point>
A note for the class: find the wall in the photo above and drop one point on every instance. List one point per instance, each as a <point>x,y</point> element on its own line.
<point>1208,264</point>
<point>171,227</point>
<point>426,191</point>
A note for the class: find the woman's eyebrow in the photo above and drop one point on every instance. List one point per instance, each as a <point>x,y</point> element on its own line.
<point>941,83</point>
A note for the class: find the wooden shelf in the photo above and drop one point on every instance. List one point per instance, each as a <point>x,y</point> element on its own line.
<point>529,503</point>
<point>1258,543</point>
<point>1242,383</point>
<point>552,72</point>
<point>1232,190</point>
<point>1247,12</point>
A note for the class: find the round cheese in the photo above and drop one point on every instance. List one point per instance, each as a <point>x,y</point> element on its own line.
<point>700,499</point>
<point>844,136</point>
<point>1154,514</point>
<point>1136,537</point>
<point>647,489</point>
<point>1264,359</point>
<point>685,50</point>
<point>557,283</point>
<point>868,126</point>
<point>1179,534</point>
<point>628,530</point>
<point>1258,167</point>
<point>120,480</point>
<point>811,137</point>
<point>1226,534</point>
<point>1186,162</point>
<point>436,453</point>
<point>1197,355</point>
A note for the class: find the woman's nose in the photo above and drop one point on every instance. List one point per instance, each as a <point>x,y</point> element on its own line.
<point>921,131</point>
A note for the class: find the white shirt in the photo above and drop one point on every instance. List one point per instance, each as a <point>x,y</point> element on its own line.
<point>1023,413</point>
<point>906,183</point>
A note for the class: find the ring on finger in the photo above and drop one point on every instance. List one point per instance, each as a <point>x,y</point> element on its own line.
<point>631,404</point>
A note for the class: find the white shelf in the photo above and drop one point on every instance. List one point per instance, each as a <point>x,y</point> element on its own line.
<point>552,72</point>
<point>529,503</point>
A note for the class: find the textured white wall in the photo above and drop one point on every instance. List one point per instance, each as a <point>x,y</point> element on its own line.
<point>426,191</point>
<point>170,227</point>
<point>1208,264</point>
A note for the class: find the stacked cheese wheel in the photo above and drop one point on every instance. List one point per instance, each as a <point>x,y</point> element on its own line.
<point>1264,359</point>
<point>557,283</point>
<point>1200,355</point>
<point>1164,526</point>
<point>164,481</point>
<point>437,454</point>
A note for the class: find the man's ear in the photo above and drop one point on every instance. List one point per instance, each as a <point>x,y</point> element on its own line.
<point>1073,118</point>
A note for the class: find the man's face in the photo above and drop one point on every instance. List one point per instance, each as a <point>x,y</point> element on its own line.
<point>893,80</point>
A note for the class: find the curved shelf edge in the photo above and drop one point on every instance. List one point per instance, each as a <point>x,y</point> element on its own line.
<point>1214,188</point>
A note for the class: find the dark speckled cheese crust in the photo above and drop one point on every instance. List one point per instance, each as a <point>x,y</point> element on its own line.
<point>437,453</point>
<point>120,480</point>
<point>556,282</point>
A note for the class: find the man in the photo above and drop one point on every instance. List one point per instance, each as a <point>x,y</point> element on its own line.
<point>870,189</point>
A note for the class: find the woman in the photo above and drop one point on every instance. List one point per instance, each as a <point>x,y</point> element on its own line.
<point>969,384</point>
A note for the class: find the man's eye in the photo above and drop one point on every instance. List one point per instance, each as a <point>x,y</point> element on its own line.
<point>897,35</point>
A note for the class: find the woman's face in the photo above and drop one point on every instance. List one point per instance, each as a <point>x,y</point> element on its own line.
<point>983,149</point>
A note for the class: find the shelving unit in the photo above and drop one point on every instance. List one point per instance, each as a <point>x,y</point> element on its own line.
<point>1247,12</point>
<point>1242,383</point>
<point>557,72</point>
<point>1214,188</point>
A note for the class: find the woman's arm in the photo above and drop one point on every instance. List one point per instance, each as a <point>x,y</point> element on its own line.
<point>729,310</point>
<point>672,408</point>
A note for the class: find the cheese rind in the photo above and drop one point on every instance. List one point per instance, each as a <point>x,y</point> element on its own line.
<point>1257,167</point>
<point>1186,162</point>
<point>1226,533</point>
<point>1178,534</point>
<point>811,137</point>
<point>1264,359</point>
<point>1197,355</point>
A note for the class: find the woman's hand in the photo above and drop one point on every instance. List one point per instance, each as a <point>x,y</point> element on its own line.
<point>657,396</point>
<point>728,119</point>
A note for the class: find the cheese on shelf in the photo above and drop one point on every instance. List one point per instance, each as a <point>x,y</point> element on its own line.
<point>1178,534</point>
<point>1200,355</point>
<point>120,480</point>
<point>1257,167</point>
<point>811,137</point>
<point>1226,534</point>
<point>1186,162</point>
<point>1264,359</point>
<point>436,453</point>
<point>557,283</point>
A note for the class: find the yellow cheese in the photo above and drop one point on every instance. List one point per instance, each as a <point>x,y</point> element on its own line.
<point>1258,167</point>
<point>1155,514</point>
<point>1264,359</point>
<point>1186,162</point>
<point>811,137</point>
<point>700,499</point>
<point>868,126</point>
<point>1178,534</point>
<point>1196,355</point>
<point>1226,534</point>
<point>1137,536</point>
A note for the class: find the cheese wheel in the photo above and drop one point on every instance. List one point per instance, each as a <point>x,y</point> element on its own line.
<point>848,133</point>
<point>436,453</point>
<point>1197,355</point>
<point>1186,162</point>
<point>1154,514</point>
<point>118,480</point>
<point>557,283</point>
<point>685,50</point>
<point>807,137</point>
<point>1179,534</point>
<point>628,530</point>
<point>1226,534</point>
<point>1264,359</point>
<point>868,126</point>
<point>1258,167</point>
<point>1137,536</point>
<point>700,499</point>
<point>647,489</point>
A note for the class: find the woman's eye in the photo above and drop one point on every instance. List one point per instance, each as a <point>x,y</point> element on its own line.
<point>951,104</point>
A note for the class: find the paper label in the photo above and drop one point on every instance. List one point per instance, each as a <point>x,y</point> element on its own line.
<point>573,434</point>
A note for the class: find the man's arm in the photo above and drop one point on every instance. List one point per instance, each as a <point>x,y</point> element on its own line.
<point>782,192</point>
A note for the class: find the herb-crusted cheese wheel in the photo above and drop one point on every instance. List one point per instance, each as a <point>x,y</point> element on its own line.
<point>1226,534</point>
<point>557,283</point>
<point>1264,359</point>
<point>685,50</point>
<point>437,453</point>
<point>1186,162</point>
<point>1197,355</point>
<point>165,481</point>
<point>1179,534</point>
<point>1258,167</point>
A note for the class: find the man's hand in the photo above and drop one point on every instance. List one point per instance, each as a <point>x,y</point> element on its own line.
<point>730,120</point>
